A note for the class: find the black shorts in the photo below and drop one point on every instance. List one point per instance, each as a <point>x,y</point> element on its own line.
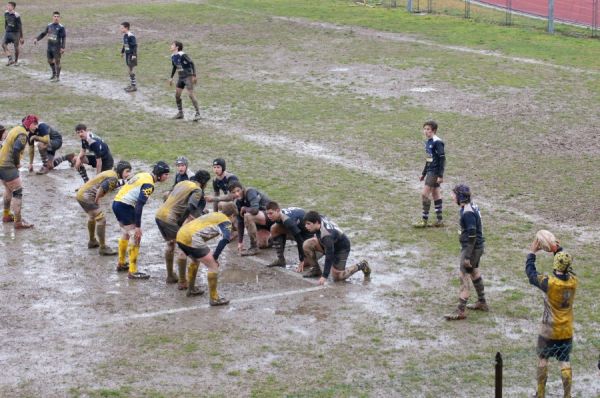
<point>560,349</point>
<point>107,163</point>
<point>167,230</point>
<point>53,53</point>
<point>183,82</point>
<point>341,257</point>
<point>431,180</point>
<point>268,224</point>
<point>129,61</point>
<point>124,213</point>
<point>474,259</point>
<point>11,37</point>
<point>194,252</point>
<point>8,174</point>
<point>54,146</point>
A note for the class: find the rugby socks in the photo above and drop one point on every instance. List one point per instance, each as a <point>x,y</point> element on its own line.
<point>348,272</point>
<point>478,284</point>
<point>92,229</point>
<point>53,68</point>
<point>83,173</point>
<point>426,208</point>
<point>181,265</point>
<point>6,212</point>
<point>462,304</point>
<point>542,376</point>
<point>191,276</point>
<point>195,102</point>
<point>132,79</point>
<point>438,208</point>
<point>179,103</point>
<point>134,251</point>
<point>101,232</point>
<point>169,258</point>
<point>44,155</point>
<point>566,375</point>
<point>122,250</point>
<point>212,285</point>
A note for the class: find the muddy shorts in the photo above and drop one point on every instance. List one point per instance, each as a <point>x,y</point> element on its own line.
<point>475,257</point>
<point>129,61</point>
<point>199,251</point>
<point>107,164</point>
<point>53,53</point>
<point>124,213</point>
<point>87,205</point>
<point>341,257</point>
<point>167,230</point>
<point>185,82</point>
<point>560,349</point>
<point>431,180</point>
<point>268,223</point>
<point>9,174</point>
<point>54,146</point>
<point>11,37</point>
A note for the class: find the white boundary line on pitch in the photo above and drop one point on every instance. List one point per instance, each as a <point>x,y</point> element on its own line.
<point>206,306</point>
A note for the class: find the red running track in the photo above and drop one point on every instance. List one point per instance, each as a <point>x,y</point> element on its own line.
<point>577,11</point>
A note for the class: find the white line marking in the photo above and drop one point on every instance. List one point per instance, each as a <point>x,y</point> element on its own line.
<point>206,306</point>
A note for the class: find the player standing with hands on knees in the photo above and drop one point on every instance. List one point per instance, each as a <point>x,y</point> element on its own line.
<point>556,334</point>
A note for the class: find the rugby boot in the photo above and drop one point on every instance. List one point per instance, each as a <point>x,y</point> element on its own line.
<point>197,117</point>
<point>23,225</point>
<point>192,290</point>
<point>131,89</point>
<point>138,275</point>
<point>219,301</point>
<point>479,306</point>
<point>314,272</point>
<point>251,251</point>
<point>420,224</point>
<point>122,267</point>
<point>42,170</point>
<point>364,267</point>
<point>11,61</point>
<point>171,279</point>
<point>178,116</point>
<point>107,251</point>
<point>278,262</point>
<point>455,316</point>
<point>8,218</point>
<point>279,244</point>
<point>439,224</point>
<point>52,77</point>
<point>92,244</point>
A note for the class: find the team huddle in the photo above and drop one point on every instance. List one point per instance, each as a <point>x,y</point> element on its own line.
<point>187,221</point>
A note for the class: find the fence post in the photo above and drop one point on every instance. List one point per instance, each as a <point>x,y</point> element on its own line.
<point>467,9</point>
<point>508,12</point>
<point>550,16</point>
<point>409,7</point>
<point>429,6</point>
<point>594,18</point>
<point>498,383</point>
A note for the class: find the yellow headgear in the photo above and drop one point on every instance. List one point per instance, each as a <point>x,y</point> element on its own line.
<point>562,262</point>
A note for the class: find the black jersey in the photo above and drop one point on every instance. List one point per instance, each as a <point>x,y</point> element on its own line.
<point>183,65</point>
<point>44,130</point>
<point>57,35</point>
<point>98,147</point>
<point>223,184</point>
<point>12,22</point>
<point>292,219</point>
<point>435,156</point>
<point>333,240</point>
<point>129,44</point>
<point>471,228</point>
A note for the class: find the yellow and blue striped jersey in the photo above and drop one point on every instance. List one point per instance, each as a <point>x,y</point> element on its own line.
<point>138,188</point>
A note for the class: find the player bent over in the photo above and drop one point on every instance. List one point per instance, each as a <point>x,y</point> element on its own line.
<point>251,205</point>
<point>185,202</point>
<point>287,224</point>
<point>433,174</point>
<point>101,158</point>
<point>472,248</point>
<point>88,197</point>
<point>334,244</point>
<point>49,141</point>
<point>186,73</point>
<point>128,206</point>
<point>10,161</point>
<point>192,238</point>
<point>556,335</point>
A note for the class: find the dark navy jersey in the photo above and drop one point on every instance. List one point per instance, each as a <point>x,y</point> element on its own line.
<point>223,184</point>
<point>471,226</point>
<point>181,177</point>
<point>254,200</point>
<point>435,156</point>
<point>183,65</point>
<point>44,130</point>
<point>333,240</point>
<point>12,22</point>
<point>129,44</point>
<point>292,219</point>
<point>95,145</point>
<point>57,35</point>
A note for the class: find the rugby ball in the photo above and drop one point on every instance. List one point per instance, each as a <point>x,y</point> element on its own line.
<point>547,240</point>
